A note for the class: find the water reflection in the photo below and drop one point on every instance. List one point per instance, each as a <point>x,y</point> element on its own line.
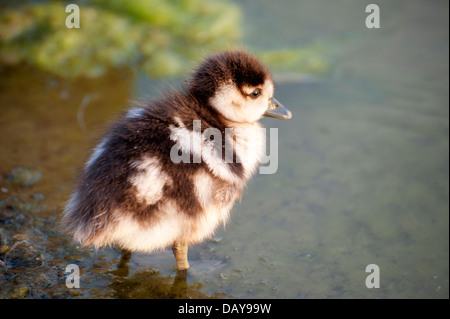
<point>149,284</point>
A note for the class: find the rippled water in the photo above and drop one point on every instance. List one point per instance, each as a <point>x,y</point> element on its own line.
<point>363,170</point>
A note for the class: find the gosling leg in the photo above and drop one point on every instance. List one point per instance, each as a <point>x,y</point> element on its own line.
<point>180,250</point>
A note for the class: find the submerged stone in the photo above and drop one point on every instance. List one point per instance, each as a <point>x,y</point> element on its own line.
<point>24,176</point>
<point>20,292</point>
<point>23,253</point>
<point>15,204</point>
<point>37,196</point>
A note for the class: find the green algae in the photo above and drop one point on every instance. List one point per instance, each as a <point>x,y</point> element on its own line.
<point>114,34</point>
<point>161,38</point>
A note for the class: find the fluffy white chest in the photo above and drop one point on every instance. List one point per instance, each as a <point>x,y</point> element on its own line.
<point>244,144</point>
<point>250,143</point>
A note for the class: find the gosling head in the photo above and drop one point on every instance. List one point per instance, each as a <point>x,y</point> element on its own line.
<point>237,86</point>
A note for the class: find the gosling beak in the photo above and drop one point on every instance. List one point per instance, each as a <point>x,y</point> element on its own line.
<point>277,110</point>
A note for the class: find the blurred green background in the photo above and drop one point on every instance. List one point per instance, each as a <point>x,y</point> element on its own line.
<point>157,36</point>
<point>363,165</point>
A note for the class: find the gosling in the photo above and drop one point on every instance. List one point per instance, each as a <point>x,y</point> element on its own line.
<point>165,174</point>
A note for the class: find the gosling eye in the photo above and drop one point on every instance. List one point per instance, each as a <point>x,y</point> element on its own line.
<point>255,93</point>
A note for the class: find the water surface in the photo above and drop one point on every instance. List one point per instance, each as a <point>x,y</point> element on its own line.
<point>362,178</point>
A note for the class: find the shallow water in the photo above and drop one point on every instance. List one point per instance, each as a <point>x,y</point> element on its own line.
<point>363,170</point>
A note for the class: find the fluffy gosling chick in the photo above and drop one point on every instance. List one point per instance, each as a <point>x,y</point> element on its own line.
<point>137,191</point>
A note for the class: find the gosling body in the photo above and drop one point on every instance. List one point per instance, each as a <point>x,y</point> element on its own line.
<point>132,192</point>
